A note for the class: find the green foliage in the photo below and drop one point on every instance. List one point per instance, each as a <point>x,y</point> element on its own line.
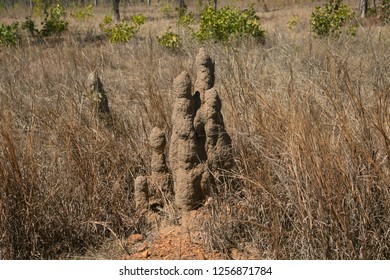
<point>29,25</point>
<point>167,10</point>
<point>293,22</point>
<point>186,19</point>
<point>385,11</point>
<point>138,19</point>
<point>39,7</point>
<point>8,34</point>
<point>227,23</point>
<point>329,19</point>
<point>84,13</point>
<point>123,31</point>
<point>53,23</point>
<point>106,20</point>
<point>169,39</point>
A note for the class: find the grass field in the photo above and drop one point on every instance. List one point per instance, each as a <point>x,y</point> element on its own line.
<point>309,120</point>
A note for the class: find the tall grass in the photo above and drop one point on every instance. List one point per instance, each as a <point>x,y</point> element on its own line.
<point>310,123</point>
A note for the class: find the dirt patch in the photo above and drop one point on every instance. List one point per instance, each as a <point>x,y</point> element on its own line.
<point>184,242</point>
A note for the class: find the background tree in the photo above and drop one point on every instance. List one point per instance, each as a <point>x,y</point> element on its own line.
<point>363,8</point>
<point>115,10</point>
<point>182,4</point>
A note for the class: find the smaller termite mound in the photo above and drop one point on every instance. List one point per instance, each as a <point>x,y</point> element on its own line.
<point>160,183</point>
<point>157,142</point>
<point>141,194</point>
<point>96,95</point>
<point>218,144</point>
<point>154,191</point>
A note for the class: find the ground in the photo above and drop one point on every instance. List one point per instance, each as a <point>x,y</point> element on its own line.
<point>163,242</point>
<point>168,242</point>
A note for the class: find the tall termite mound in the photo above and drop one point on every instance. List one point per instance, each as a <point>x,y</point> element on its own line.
<point>215,144</point>
<point>200,149</point>
<point>187,168</point>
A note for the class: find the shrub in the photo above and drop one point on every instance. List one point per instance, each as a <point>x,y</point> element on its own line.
<point>138,19</point>
<point>169,39</point>
<point>8,35</point>
<point>123,31</point>
<point>186,19</point>
<point>293,22</point>
<point>84,13</point>
<point>224,24</point>
<point>329,19</point>
<point>167,10</point>
<point>385,11</point>
<point>39,6</point>
<point>53,23</point>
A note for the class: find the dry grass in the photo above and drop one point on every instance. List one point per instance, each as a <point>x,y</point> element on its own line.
<point>310,122</point>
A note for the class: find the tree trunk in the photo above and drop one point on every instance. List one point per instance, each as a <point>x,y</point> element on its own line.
<point>363,8</point>
<point>215,4</point>
<point>115,10</point>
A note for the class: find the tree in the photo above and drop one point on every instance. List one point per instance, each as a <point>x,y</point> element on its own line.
<point>363,8</point>
<point>115,10</point>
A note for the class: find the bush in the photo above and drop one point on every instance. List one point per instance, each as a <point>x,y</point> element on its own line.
<point>167,10</point>
<point>186,19</point>
<point>8,35</point>
<point>385,11</point>
<point>123,31</point>
<point>138,19</point>
<point>227,23</point>
<point>169,39</point>
<point>293,22</point>
<point>84,13</point>
<point>329,19</point>
<point>53,24</point>
<point>29,25</point>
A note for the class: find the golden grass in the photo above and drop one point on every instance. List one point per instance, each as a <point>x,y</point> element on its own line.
<point>310,122</point>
